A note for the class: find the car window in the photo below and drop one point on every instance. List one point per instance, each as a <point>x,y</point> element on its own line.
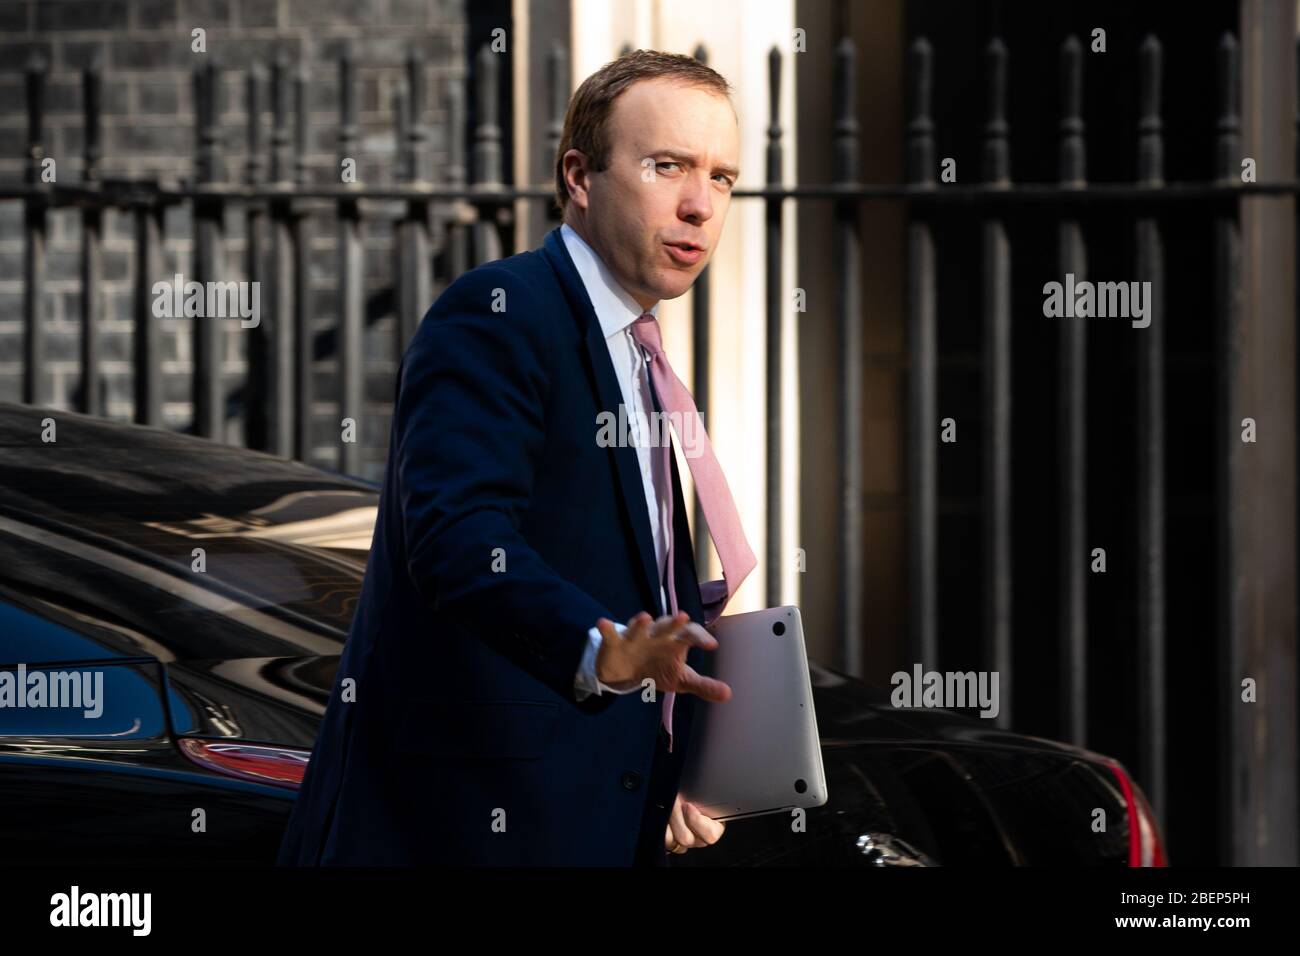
<point>277,573</point>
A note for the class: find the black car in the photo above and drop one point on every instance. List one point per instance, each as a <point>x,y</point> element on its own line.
<point>198,597</point>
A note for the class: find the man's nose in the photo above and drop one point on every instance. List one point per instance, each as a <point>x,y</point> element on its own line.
<point>696,202</point>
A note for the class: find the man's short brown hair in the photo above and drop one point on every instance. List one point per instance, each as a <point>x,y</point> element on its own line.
<point>587,117</point>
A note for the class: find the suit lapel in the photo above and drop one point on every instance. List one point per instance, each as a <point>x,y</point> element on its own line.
<point>609,397</point>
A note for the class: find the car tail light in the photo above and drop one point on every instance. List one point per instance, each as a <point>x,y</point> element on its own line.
<point>1145,848</point>
<point>280,766</point>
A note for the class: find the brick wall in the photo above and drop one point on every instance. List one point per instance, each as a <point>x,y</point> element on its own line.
<point>144,47</point>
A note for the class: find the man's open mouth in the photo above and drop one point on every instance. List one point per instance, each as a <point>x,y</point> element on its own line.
<point>685,253</point>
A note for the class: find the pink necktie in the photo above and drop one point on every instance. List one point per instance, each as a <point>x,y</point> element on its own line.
<point>710,487</point>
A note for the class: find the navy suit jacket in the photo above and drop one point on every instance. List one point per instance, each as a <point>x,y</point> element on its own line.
<point>504,531</point>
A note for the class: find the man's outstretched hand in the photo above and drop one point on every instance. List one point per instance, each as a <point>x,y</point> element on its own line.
<point>657,650</point>
<point>688,828</point>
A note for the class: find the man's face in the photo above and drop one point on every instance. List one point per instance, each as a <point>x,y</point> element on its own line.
<point>674,157</point>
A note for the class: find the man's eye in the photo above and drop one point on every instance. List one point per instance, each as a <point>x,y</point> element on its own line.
<point>669,163</point>
<point>724,177</point>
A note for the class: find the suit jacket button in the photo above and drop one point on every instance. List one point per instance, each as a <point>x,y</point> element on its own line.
<point>631,780</point>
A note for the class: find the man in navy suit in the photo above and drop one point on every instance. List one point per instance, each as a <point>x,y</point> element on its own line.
<point>487,709</point>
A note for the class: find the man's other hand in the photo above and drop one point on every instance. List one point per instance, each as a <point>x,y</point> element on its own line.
<point>657,650</point>
<point>688,828</point>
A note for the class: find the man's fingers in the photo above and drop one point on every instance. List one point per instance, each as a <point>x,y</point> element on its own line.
<point>688,826</point>
<point>677,825</point>
<point>670,840</point>
<point>669,623</point>
<point>637,626</point>
<point>677,625</point>
<point>706,829</point>
<point>680,627</point>
<point>696,636</point>
<point>706,688</point>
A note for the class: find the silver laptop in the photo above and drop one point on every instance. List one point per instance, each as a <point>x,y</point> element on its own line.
<point>757,752</point>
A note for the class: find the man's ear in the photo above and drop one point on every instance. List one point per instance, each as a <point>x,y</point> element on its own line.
<point>576,177</point>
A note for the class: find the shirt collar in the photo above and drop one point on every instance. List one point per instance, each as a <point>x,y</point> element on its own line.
<point>615,309</point>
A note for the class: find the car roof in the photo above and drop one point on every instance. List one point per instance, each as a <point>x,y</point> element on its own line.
<point>103,522</point>
<point>126,452</point>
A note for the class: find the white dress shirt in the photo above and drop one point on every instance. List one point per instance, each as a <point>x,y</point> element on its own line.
<point>616,311</point>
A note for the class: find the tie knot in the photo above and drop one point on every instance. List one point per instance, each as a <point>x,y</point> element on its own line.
<point>646,332</point>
